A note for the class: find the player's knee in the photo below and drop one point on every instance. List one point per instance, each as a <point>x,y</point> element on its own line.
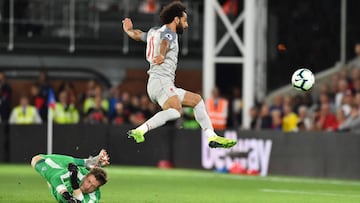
<point>197,98</point>
<point>179,109</point>
<point>35,159</point>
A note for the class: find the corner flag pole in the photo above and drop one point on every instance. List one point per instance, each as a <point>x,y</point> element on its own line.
<point>49,132</point>
<point>51,107</point>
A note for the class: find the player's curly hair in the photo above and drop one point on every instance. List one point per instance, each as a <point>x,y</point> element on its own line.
<point>100,175</point>
<point>172,10</point>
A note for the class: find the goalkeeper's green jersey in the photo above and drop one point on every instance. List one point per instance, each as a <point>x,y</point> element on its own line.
<point>54,169</point>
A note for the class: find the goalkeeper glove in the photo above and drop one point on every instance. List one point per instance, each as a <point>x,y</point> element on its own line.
<point>73,200</point>
<point>73,169</point>
<point>69,198</point>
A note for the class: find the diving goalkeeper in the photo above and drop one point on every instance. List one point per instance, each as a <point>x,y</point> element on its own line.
<point>69,179</point>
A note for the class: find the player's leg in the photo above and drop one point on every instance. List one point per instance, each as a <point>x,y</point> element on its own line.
<point>171,110</point>
<point>194,100</point>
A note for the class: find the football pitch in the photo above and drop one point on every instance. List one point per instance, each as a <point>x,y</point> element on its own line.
<point>20,183</point>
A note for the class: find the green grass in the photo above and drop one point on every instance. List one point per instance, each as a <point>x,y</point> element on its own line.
<point>20,183</point>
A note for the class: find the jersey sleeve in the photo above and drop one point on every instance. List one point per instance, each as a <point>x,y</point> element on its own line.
<point>58,183</point>
<point>143,36</point>
<point>168,35</point>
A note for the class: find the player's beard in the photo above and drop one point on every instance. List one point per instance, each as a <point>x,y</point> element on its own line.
<point>179,29</point>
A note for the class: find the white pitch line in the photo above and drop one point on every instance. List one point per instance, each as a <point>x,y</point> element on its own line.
<point>296,180</point>
<point>239,177</point>
<point>309,193</point>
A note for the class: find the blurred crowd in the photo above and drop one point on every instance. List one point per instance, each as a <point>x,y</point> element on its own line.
<point>332,105</point>
<point>70,106</point>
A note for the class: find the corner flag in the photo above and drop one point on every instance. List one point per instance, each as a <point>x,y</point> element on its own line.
<point>51,99</point>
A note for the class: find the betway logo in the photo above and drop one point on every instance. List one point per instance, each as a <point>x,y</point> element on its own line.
<point>251,153</point>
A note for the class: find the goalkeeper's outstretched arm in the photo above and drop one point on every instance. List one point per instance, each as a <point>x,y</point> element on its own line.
<point>100,160</point>
<point>61,160</point>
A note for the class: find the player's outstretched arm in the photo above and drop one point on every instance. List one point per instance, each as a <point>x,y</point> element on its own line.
<point>135,34</point>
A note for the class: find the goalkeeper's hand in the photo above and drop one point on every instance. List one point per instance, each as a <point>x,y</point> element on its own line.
<point>69,198</point>
<point>73,200</point>
<point>73,169</point>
